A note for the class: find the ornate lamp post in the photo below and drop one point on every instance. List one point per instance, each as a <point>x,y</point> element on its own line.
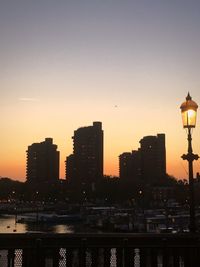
<point>189,112</point>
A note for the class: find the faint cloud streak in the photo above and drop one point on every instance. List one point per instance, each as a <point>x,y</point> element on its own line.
<point>28,99</point>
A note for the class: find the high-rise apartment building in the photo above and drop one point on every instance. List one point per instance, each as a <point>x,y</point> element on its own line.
<point>85,165</point>
<point>42,162</point>
<point>148,163</point>
<point>130,165</point>
<point>153,158</point>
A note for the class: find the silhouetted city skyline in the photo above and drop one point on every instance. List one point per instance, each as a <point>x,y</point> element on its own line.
<point>85,165</point>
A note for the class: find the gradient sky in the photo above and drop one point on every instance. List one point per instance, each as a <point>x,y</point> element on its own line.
<point>67,63</point>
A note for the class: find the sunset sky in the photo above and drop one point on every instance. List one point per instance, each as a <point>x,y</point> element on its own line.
<point>126,63</point>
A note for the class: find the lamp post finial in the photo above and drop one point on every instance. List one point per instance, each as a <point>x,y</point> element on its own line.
<point>188,97</point>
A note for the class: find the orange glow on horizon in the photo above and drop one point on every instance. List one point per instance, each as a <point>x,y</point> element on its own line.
<point>15,168</point>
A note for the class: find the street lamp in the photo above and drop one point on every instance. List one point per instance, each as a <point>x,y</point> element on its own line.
<point>189,112</point>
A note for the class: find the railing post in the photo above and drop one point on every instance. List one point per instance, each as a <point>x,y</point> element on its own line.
<point>11,257</point>
<point>126,260</point>
<point>165,253</point>
<point>29,257</point>
<point>143,257</point>
<point>165,257</point>
<point>39,254</point>
<point>190,257</point>
<point>56,257</point>
<point>82,256</point>
<point>95,252</point>
<point>154,257</point>
<point>176,259</point>
<point>196,254</point>
<point>186,258</point>
<point>69,257</point>
<point>107,257</point>
<point>119,255</point>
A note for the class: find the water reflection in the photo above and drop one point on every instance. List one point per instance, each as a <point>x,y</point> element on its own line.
<point>8,225</point>
<point>63,229</point>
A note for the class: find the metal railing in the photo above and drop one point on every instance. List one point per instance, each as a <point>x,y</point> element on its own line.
<point>99,250</point>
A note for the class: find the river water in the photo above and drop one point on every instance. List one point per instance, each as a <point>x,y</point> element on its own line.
<point>8,225</point>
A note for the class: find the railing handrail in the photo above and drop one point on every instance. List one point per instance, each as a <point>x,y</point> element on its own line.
<point>140,240</point>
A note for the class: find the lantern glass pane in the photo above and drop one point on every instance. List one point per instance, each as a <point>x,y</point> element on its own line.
<point>189,118</point>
